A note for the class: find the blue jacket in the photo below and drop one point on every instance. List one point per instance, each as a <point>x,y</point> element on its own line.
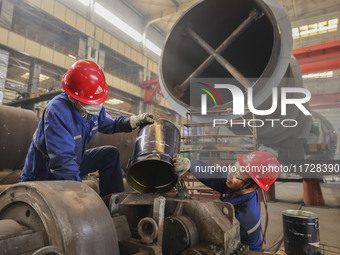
<point>247,210</point>
<point>60,140</point>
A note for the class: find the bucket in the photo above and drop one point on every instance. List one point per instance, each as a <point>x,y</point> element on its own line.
<point>150,168</point>
<point>301,232</point>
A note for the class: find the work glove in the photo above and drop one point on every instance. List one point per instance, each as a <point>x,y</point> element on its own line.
<point>181,164</point>
<point>141,119</point>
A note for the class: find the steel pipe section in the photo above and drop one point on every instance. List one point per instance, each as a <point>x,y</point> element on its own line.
<point>150,167</point>
<point>69,215</point>
<point>261,53</point>
<point>16,130</point>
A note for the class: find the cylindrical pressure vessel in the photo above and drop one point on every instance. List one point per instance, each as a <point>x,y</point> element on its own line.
<point>260,51</point>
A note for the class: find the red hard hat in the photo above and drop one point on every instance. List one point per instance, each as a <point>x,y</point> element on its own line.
<point>85,82</point>
<point>261,166</point>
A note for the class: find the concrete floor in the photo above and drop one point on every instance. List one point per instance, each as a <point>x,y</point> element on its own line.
<point>290,196</point>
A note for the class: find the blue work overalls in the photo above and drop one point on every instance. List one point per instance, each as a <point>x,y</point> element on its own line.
<point>247,210</point>
<point>58,147</point>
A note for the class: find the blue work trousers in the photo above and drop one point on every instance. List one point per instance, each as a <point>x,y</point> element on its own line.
<point>106,160</point>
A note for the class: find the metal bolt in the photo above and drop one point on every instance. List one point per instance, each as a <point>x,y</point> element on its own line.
<point>225,211</point>
<point>212,248</point>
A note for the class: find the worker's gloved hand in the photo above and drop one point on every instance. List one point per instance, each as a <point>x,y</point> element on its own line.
<point>141,119</point>
<point>181,164</point>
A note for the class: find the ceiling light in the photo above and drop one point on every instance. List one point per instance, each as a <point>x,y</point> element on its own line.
<point>124,27</point>
<point>117,22</point>
<point>318,75</point>
<point>315,28</point>
<point>71,56</point>
<point>114,101</point>
<point>42,77</point>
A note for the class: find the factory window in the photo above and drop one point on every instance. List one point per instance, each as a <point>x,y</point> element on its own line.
<point>315,28</point>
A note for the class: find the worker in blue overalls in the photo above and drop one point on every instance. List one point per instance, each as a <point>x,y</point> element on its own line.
<point>58,150</point>
<point>239,188</point>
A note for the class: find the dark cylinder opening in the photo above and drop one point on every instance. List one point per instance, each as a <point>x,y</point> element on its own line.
<point>254,53</point>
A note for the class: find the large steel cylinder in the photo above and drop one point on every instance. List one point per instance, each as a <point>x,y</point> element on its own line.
<point>150,168</point>
<point>16,129</point>
<point>16,132</point>
<point>261,53</point>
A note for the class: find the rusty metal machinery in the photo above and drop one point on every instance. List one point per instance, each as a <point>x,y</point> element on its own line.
<point>59,217</point>
<point>170,225</point>
<point>64,217</point>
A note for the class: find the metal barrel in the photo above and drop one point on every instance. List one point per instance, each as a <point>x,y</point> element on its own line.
<point>301,232</point>
<point>254,37</point>
<point>150,167</point>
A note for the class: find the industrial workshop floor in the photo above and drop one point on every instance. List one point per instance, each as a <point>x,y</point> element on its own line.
<point>290,196</point>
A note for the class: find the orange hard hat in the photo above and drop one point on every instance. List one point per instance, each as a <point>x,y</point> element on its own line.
<point>85,82</point>
<point>261,166</point>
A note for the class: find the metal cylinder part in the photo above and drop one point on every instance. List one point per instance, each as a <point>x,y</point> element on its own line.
<point>150,168</point>
<point>147,229</point>
<point>93,184</point>
<point>48,250</point>
<point>255,49</point>
<point>16,129</point>
<point>10,228</point>
<point>181,233</point>
<point>9,177</point>
<point>68,215</point>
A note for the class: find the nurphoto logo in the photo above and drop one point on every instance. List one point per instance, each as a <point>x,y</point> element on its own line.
<point>214,95</point>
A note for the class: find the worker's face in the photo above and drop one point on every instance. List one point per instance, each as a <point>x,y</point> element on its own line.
<point>236,177</point>
<point>85,108</point>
